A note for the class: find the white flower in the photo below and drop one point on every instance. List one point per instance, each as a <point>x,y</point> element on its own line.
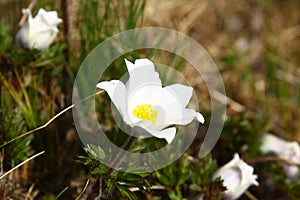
<point>272,144</point>
<point>291,154</point>
<point>40,31</point>
<point>143,102</point>
<point>289,151</point>
<point>237,176</point>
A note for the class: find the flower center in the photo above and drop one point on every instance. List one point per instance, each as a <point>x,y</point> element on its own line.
<point>145,112</point>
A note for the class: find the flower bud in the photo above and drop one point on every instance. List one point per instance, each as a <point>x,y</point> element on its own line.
<point>38,32</point>
<point>237,176</point>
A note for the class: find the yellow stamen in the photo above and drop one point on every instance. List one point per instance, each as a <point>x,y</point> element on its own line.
<point>145,112</point>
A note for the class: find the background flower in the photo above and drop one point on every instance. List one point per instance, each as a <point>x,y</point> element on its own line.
<point>272,144</point>
<point>237,176</point>
<point>289,151</point>
<point>292,154</point>
<point>39,32</point>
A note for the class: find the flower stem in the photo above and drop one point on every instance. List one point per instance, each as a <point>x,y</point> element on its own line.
<point>25,16</point>
<point>272,159</point>
<point>120,156</point>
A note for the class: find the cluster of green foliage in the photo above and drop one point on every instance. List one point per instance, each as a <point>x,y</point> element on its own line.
<point>31,86</point>
<point>185,178</point>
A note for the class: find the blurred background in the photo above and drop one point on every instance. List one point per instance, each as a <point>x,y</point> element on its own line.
<point>255,44</point>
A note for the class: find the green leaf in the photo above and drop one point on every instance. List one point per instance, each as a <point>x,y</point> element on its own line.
<point>101,169</point>
<point>175,195</point>
<point>195,187</point>
<point>126,193</point>
<point>96,151</point>
<point>56,198</point>
<point>184,175</point>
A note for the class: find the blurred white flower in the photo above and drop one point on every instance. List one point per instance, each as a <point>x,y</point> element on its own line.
<point>237,176</point>
<point>272,144</point>
<point>143,102</point>
<point>292,154</point>
<point>38,32</point>
<point>289,151</point>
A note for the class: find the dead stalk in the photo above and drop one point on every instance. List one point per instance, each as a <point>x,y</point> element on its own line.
<point>22,163</point>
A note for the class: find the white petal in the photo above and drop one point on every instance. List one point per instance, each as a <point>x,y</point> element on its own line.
<point>147,94</point>
<point>41,11</point>
<point>292,154</point>
<point>161,118</point>
<point>130,65</point>
<point>50,17</point>
<point>27,11</point>
<point>139,63</point>
<point>200,118</point>
<point>167,134</point>
<point>232,178</point>
<point>141,73</point>
<point>272,144</point>
<point>234,162</point>
<point>182,92</point>
<point>291,171</point>
<point>186,117</point>
<point>44,21</point>
<point>22,36</point>
<point>173,100</point>
<point>41,40</point>
<point>117,93</point>
<point>247,173</point>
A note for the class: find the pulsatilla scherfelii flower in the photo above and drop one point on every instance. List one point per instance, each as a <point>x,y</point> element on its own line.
<point>144,103</point>
<point>39,31</point>
<point>286,150</point>
<point>237,176</point>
